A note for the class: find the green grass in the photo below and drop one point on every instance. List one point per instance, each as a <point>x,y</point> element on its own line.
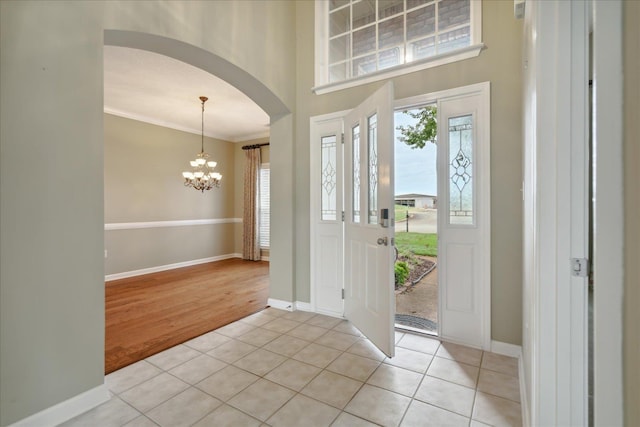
<point>401,212</point>
<point>417,243</point>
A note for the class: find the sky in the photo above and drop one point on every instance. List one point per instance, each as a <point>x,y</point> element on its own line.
<point>415,169</point>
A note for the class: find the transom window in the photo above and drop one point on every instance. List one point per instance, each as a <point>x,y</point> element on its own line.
<point>359,38</point>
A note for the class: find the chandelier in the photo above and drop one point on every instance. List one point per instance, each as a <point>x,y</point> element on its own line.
<point>202,177</point>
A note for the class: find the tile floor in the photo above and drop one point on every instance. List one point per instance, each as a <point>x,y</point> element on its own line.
<point>279,368</point>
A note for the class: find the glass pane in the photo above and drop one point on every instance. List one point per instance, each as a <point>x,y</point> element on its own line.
<point>355,138</point>
<point>452,13</point>
<point>363,13</point>
<point>391,32</point>
<point>421,49</point>
<point>415,3</point>
<point>421,22</point>
<point>373,168</point>
<point>328,178</point>
<point>461,170</point>
<point>338,72</point>
<point>339,49</point>
<point>364,65</point>
<point>339,22</point>
<point>454,39</point>
<point>388,8</point>
<point>334,4</point>
<point>364,41</point>
<point>390,58</point>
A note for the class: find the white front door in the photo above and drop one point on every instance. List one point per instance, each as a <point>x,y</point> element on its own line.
<point>464,218</point>
<point>369,296</point>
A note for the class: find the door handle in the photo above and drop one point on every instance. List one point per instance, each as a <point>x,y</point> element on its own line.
<point>383,241</point>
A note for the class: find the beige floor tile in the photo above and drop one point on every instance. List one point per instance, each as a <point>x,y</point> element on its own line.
<point>293,374</point>
<point>260,362</point>
<point>446,395</point>
<point>323,321</point>
<point>496,411</point>
<point>207,342</point>
<point>304,411</point>
<point>332,389</point>
<point>261,399</point>
<point>274,312</point>
<point>454,372</point>
<point>419,343</point>
<point>317,355</point>
<point>353,366</point>
<point>410,359</point>
<point>476,423</point>
<point>231,351</point>
<point>258,337</point>
<point>195,370</point>
<point>307,332</point>
<point>460,353</point>
<point>183,409</point>
<point>130,376</point>
<point>379,406</point>
<point>498,384</point>
<point>281,325</point>
<point>114,412</point>
<point>153,392</point>
<point>396,379</point>
<point>286,345</point>
<point>398,336</point>
<point>347,420</point>
<point>366,348</point>
<point>234,379</point>
<point>337,340</point>
<point>500,363</point>
<point>421,414</point>
<point>141,421</point>
<point>347,327</point>
<point>258,319</point>
<point>227,416</point>
<point>235,329</point>
<point>173,357</point>
<point>298,315</point>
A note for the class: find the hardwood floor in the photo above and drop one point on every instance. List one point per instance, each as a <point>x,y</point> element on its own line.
<point>150,313</point>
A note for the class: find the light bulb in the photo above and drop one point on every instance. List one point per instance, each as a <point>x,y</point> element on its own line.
<point>198,174</point>
<point>212,164</point>
<point>200,161</point>
<point>187,175</point>
<point>193,163</point>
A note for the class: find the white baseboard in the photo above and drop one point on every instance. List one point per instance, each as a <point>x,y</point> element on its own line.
<point>264,258</point>
<point>304,306</point>
<point>149,270</point>
<point>524,402</point>
<point>280,304</point>
<point>64,411</point>
<point>506,349</point>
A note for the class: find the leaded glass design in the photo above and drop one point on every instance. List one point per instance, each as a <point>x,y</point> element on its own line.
<point>355,138</point>
<point>328,178</point>
<point>461,170</point>
<point>372,124</point>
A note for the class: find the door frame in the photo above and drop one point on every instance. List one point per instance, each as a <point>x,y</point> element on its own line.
<point>482,89</point>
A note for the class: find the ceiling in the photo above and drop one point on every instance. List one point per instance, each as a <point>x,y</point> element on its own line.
<point>156,89</point>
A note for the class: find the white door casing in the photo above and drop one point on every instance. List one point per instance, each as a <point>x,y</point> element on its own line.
<point>464,243</point>
<point>368,151</point>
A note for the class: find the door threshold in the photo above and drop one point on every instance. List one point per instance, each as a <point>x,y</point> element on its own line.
<point>418,331</point>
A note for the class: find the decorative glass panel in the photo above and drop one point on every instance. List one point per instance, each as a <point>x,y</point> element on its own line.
<point>461,170</point>
<point>329,178</point>
<point>373,168</point>
<point>355,138</point>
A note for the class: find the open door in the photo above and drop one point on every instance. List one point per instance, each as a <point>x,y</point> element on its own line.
<point>369,233</point>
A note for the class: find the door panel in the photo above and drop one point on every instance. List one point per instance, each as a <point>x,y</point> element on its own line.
<point>369,298</point>
<point>463,219</point>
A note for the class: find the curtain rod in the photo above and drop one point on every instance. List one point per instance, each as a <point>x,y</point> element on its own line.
<point>251,147</point>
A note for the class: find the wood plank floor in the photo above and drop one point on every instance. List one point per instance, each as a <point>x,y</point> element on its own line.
<point>150,313</point>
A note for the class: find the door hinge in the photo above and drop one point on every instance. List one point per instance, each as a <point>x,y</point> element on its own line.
<point>342,293</point>
<point>580,267</point>
<point>342,138</point>
<point>342,216</point>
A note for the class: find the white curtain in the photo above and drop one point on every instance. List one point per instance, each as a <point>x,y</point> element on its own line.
<point>251,241</point>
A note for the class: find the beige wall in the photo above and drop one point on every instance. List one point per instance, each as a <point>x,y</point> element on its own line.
<point>632,208</point>
<point>143,183</point>
<point>52,221</point>
<point>500,64</point>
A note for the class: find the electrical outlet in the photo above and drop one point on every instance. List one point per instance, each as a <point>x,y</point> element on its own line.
<point>106,253</point>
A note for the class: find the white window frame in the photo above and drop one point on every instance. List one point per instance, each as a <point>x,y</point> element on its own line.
<point>322,84</point>
<point>261,212</point>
